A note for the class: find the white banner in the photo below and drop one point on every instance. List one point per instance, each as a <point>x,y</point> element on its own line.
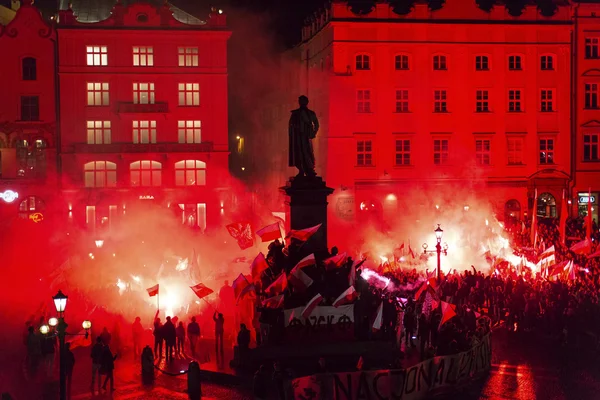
<point>320,316</point>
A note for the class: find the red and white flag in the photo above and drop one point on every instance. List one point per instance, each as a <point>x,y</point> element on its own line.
<point>348,296</point>
<point>278,284</point>
<point>595,254</point>
<point>273,302</point>
<point>258,266</point>
<point>303,234</point>
<point>242,233</point>
<point>299,279</point>
<point>250,289</point>
<point>269,232</point>
<point>306,261</point>
<point>583,247</point>
<point>410,251</point>
<point>153,291</point>
<point>239,284</point>
<point>571,270</point>
<point>201,291</point>
<point>534,221</point>
<point>379,318</point>
<point>311,305</point>
<point>447,312</point>
<point>335,261</point>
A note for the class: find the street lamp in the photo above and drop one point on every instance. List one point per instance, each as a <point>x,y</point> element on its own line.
<point>439,232</point>
<point>99,243</point>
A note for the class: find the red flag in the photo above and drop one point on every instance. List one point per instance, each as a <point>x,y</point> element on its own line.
<point>360,363</point>
<point>352,275</point>
<point>563,219</point>
<point>595,254</point>
<point>378,318</point>
<point>273,302</point>
<point>583,247</point>
<point>311,305</point>
<point>153,291</point>
<point>411,252</point>
<point>242,232</point>
<point>348,296</point>
<point>248,289</point>
<point>534,221</point>
<point>200,290</point>
<point>588,217</point>
<point>269,232</point>
<point>80,340</point>
<point>258,266</point>
<point>335,261</point>
<point>299,279</point>
<point>278,284</point>
<point>239,284</point>
<point>447,312</point>
<point>303,234</point>
<point>306,261</point>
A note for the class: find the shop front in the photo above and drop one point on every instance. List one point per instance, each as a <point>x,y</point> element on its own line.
<point>583,198</point>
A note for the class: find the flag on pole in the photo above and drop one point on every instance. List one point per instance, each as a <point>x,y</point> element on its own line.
<point>306,261</point>
<point>80,340</point>
<point>447,312</point>
<point>311,305</point>
<point>200,290</point>
<point>410,251</point>
<point>269,232</point>
<point>248,289</point>
<point>583,247</point>
<point>303,234</point>
<point>563,219</point>
<point>278,284</point>
<point>242,233</point>
<point>299,279</point>
<point>258,266</point>
<point>273,302</point>
<point>153,291</point>
<point>534,220</point>
<point>239,284</point>
<point>352,275</point>
<point>588,217</point>
<point>378,318</point>
<point>335,261</point>
<point>595,254</point>
<point>348,296</point>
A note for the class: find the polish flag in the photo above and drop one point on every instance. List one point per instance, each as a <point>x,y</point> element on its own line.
<point>585,246</point>
<point>273,302</point>
<point>303,234</point>
<point>335,261</point>
<point>348,296</point>
<point>239,284</point>
<point>248,289</point>
<point>278,284</point>
<point>299,279</point>
<point>153,291</point>
<point>411,252</point>
<point>447,312</point>
<point>201,291</point>
<point>311,305</point>
<point>258,266</point>
<point>269,232</point>
<point>306,262</point>
<point>571,270</point>
<point>379,318</point>
<point>596,254</point>
<point>557,269</point>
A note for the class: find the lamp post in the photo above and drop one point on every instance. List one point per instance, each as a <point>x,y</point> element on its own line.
<point>438,249</point>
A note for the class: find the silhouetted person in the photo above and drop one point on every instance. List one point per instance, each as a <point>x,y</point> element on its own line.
<point>34,351</point>
<point>180,331</point>
<point>137,332</point>
<point>69,363</point>
<point>243,341</point>
<point>108,367</point>
<point>158,338</point>
<point>260,384</point>
<point>170,335</point>
<point>96,356</point>
<point>219,329</point>
<point>193,331</point>
<point>106,336</point>
<point>303,127</point>
<point>49,353</point>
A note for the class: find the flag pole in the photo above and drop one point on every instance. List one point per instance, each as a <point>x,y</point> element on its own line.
<point>157,303</point>
<point>209,304</point>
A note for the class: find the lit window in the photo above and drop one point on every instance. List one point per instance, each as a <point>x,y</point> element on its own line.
<point>145,173</point>
<point>591,95</point>
<point>402,101</point>
<point>144,132</point>
<point>189,94</point>
<point>482,151</point>
<point>546,151</point>
<point>31,205</point>
<point>189,131</point>
<point>547,63</point>
<point>364,153</point>
<point>402,152</point>
<point>188,56</point>
<point>590,147</point>
<point>143,56</point>
<point>98,132</point>
<point>482,101</point>
<point>514,148</point>
<point>363,101</point>
<point>29,67</point>
<point>363,62</point>
<point>547,100</point>
<point>190,173</point>
<point>482,63</point>
<point>100,174</point>
<point>440,151</point>
<point>90,217</point>
<point>31,158</point>
<point>591,47</point>
<point>514,63</point>
<point>193,215</point>
<point>514,100</point>
<point>143,93</point>
<point>97,55</point>
<point>439,63</point>
<point>439,101</point>
<point>401,62</point>
<point>97,94</point>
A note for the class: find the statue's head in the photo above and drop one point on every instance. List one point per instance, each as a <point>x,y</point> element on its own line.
<point>303,100</point>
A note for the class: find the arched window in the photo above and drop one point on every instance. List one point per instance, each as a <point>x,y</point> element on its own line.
<point>29,69</point>
<point>401,62</point>
<point>190,173</point>
<point>29,206</point>
<point>512,212</point>
<point>439,63</point>
<point>145,173</point>
<point>515,62</point>
<point>546,205</point>
<point>363,62</point>
<point>482,63</point>
<point>547,62</point>
<point>100,174</point>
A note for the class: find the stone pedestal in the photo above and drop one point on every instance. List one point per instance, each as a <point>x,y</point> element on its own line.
<point>306,204</point>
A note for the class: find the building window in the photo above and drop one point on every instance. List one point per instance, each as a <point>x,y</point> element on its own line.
<point>439,101</point>
<point>514,63</point>
<point>547,100</point>
<point>591,95</point>
<point>30,206</point>
<point>402,101</point>
<point>482,103</point>
<point>440,151</point>
<point>483,151</point>
<point>194,215</point>
<point>143,93</point>
<point>90,217</point>
<point>363,62</point>
<point>363,101</point>
<point>590,147</point>
<point>546,151</point>
<point>30,108</point>
<point>439,63</point>
<point>29,69</point>
<point>188,56</point>
<point>143,56</point>
<point>402,152</point>
<point>98,132</point>
<point>189,131</point>
<point>189,94</point>
<point>190,173</point>
<point>401,62</point>
<point>97,94</point>
<point>144,132</point>
<point>591,47</point>
<point>364,153</point>
<point>31,158</point>
<point>145,173</point>
<point>97,55</point>
<point>514,100</point>
<point>547,63</point>
<point>482,63</point>
<point>514,149</point>
<point>546,205</point>
<point>100,174</point>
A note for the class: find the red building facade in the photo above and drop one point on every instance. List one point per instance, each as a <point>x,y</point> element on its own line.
<point>143,112</point>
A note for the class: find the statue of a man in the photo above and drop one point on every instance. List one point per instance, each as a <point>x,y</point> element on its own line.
<point>304,126</point>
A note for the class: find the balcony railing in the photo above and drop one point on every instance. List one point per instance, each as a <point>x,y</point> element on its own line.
<point>118,148</point>
<point>132,108</point>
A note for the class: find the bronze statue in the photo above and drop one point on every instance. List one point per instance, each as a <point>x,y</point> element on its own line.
<point>304,126</point>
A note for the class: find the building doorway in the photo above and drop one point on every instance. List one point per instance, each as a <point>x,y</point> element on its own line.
<point>546,205</point>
